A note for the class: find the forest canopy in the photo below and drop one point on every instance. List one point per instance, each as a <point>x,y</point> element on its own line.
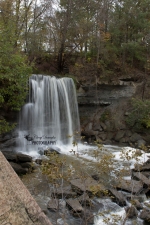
<point>110,35</point>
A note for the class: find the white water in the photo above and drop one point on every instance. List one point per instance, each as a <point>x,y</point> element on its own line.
<point>51,113</point>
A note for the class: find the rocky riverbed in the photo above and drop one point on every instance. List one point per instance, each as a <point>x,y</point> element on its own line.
<point>92,195</point>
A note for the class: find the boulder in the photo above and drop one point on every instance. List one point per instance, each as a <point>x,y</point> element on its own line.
<point>145,215</point>
<point>75,206</point>
<point>128,133</point>
<point>6,137</point>
<point>39,161</point>
<point>135,137</point>
<point>88,127</point>
<point>104,127</point>
<point>144,167</point>
<point>89,133</point>
<point>146,174</point>
<point>87,184</point>
<point>52,150</point>
<point>9,143</point>
<point>142,178</point>
<point>23,158</point>
<point>137,204</point>
<point>84,199</point>
<point>131,212</point>
<point>96,126</point>
<point>53,204</point>
<point>119,135</point>
<point>18,169</point>
<point>118,197</point>
<point>27,165</point>
<point>124,140</point>
<point>147,162</point>
<point>10,156</point>
<point>141,143</point>
<point>110,125</point>
<point>102,136</point>
<point>132,186</point>
<point>110,135</point>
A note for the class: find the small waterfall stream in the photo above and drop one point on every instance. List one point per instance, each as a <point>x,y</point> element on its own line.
<point>51,113</point>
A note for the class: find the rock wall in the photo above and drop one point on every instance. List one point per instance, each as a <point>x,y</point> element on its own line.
<point>103,111</point>
<point>17,206</point>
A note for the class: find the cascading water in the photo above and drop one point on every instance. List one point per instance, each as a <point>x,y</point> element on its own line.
<point>51,113</point>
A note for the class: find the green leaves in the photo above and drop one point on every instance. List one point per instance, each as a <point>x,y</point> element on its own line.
<point>139,116</point>
<point>14,74</point>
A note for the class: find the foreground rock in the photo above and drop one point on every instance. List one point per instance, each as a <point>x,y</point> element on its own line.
<point>53,204</point>
<point>17,206</point>
<point>88,184</point>
<point>132,186</point>
<point>51,150</point>
<point>75,206</point>
<point>131,212</point>
<point>143,178</point>
<point>85,200</point>
<point>18,168</point>
<point>118,197</point>
<point>23,158</point>
<point>144,167</point>
<point>145,215</point>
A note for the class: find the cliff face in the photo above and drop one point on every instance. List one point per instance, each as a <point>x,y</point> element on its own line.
<point>103,111</point>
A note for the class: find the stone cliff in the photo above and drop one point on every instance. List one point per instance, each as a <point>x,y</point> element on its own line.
<point>103,109</point>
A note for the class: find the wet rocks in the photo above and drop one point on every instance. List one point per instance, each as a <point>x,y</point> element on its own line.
<point>52,150</point>
<point>145,215</point>
<point>75,206</point>
<point>18,168</point>
<point>86,184</point>
<point>84,200</point>
<point>118,197</point>
<point>143,178</point>
<point>132,186</point>
<point>21,163</point>
<point>131,212</point>
<point>53,204</point>
<point>142,167</point>
<point>137,204</point>
<point>23,158</point>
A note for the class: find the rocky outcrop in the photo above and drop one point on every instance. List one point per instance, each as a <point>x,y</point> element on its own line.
<point>104,108</point>
<point>17,206</point>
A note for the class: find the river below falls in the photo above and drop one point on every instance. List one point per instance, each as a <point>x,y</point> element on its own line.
<point>86,158</point>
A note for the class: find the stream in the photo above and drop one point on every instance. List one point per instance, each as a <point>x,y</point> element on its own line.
<point>87,158</point>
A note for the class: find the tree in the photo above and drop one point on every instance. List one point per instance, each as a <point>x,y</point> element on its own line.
<point>14,72</point>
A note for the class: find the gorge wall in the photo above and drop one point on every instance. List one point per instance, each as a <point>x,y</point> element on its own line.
<point>104,109</point>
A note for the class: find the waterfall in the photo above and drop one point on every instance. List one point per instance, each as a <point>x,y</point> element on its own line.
<point>51,113</point>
